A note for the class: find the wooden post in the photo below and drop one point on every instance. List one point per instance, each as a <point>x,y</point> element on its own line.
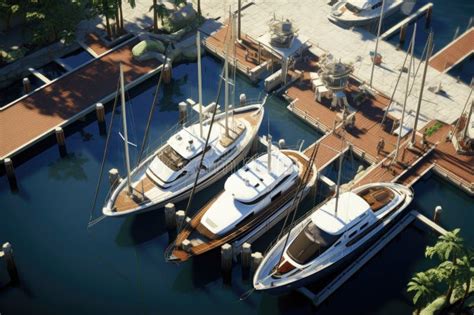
<point>282,144</point>
<point>226,261</point>
<point>114,178</point>
<point>7,254</point>
<point>179,218</point>
<point>167,72</point>
<point>245,257</point>
<point>403,35</point>
<point>429,13</point>
<point>437,214</point>
<point>257,258</point>
<point>170,216</point>
<point>100,112</point>
<point>61,139</point>
<point>26,85</point>
<point>183,114</point>
<point>243,99</point>
<point>239,19</point>
<point>10,171</point>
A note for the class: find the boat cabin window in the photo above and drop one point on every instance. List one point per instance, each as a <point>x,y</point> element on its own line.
<point>352,234</point>
<point>364,226</point>
<point>310,243</point>
<point>224,155</point>
<point>172,159</point>
<point>352,8</point>
<point>377,197</point>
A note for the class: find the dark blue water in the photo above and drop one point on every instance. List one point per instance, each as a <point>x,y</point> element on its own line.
<point>76,58</point>
<point>350,166</point>
<point>117,266</point>
<point>52,70</point>
<point>464,70</point>
<point>15,90</point>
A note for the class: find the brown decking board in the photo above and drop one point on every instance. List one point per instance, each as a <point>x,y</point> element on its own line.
<point>454,52</point>
<point>95,43</point>
<point>55,104</point>
<point>218,40</point>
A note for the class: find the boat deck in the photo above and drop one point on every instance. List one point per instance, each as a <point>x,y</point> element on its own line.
<point>215,241</point>
<point>124,202</point>
<point>459,49</point>
<point>61,102</point>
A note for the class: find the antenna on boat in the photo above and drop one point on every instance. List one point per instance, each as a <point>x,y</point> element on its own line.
<point>198,46</point>
<point>395,158</point>
<point>377,43</point>
<point>269,153</point>
<point>124,121</point>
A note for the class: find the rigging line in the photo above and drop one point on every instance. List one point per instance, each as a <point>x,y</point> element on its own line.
<point>425,49</point>
<point>152,109</point>
<point>298,197</point>
<point>196,179</point>
<point>102,165</point>
<point>396,85</point>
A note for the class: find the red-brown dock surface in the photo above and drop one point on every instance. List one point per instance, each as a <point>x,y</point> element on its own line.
<point>365,134</point>
<point>95,43</point>
<point>66,99</point>
<point>455,52</point>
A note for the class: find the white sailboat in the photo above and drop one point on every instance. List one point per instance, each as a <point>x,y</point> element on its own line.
<point>361,12</point>
<point>331,236</point>
<point>168,174</point>
<point>257,194</point>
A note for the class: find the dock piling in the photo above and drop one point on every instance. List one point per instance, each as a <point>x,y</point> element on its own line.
<point>183,114</point>
<point>226,262</point>
<point>7,254</point>
<point>179,218</point>
<point>26,85</point>
<point>245,257</point>
<point>170,216</point>
<point>403,34</point>
<point>257,258</point>
<point>114,178</point>
<point>429,13</point>
<point>437,214</point>
<point>10,171</point>
<point>186,245</point>
<point>243,99</point>
<point>61,140</point>
<point>167,72</point>
<point>100,112</point>
<point>282,144</point>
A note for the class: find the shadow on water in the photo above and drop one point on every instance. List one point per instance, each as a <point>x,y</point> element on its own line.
<point>141,228</point>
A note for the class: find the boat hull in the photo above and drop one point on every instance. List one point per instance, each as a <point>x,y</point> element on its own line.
<point>363,20</point>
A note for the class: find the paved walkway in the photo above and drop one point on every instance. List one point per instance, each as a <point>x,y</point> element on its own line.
<point>310,17</point>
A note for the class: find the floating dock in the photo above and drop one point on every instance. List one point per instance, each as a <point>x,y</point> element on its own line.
<point>455,52</point>
<point>62,101</point>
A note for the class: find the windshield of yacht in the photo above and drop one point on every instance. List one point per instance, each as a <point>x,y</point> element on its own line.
<point>172,159</point>
<point>352,8</point>
<point>310,243</point>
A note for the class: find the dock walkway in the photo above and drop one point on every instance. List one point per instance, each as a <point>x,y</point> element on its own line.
<point>459,49</point>
<point>67,98</point>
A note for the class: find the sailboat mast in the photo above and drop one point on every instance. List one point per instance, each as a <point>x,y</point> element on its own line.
<point>226,79</point>
<point>377,42</point>
<point>425,69</point>
<point>124,122</point>
<point>338,184</point>
<point>269,153</point>
<point>198,46</point>
<point>406,95</point>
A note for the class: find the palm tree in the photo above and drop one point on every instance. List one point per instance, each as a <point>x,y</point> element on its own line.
<point>449,247</point>
<point>199,7</point>
<point>465,275</point>
<point>422,285</point>
<point>106,11</point>
<point>446,273</point>
<point>177,3</point>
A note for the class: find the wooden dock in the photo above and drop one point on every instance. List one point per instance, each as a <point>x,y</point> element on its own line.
<point>69,97</point>
<point>363,137</point>
<point>251,58</point>
<point>455,52</point>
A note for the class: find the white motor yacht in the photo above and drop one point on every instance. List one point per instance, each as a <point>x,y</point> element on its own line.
<point>361,12</point>
<point>327,238</point>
